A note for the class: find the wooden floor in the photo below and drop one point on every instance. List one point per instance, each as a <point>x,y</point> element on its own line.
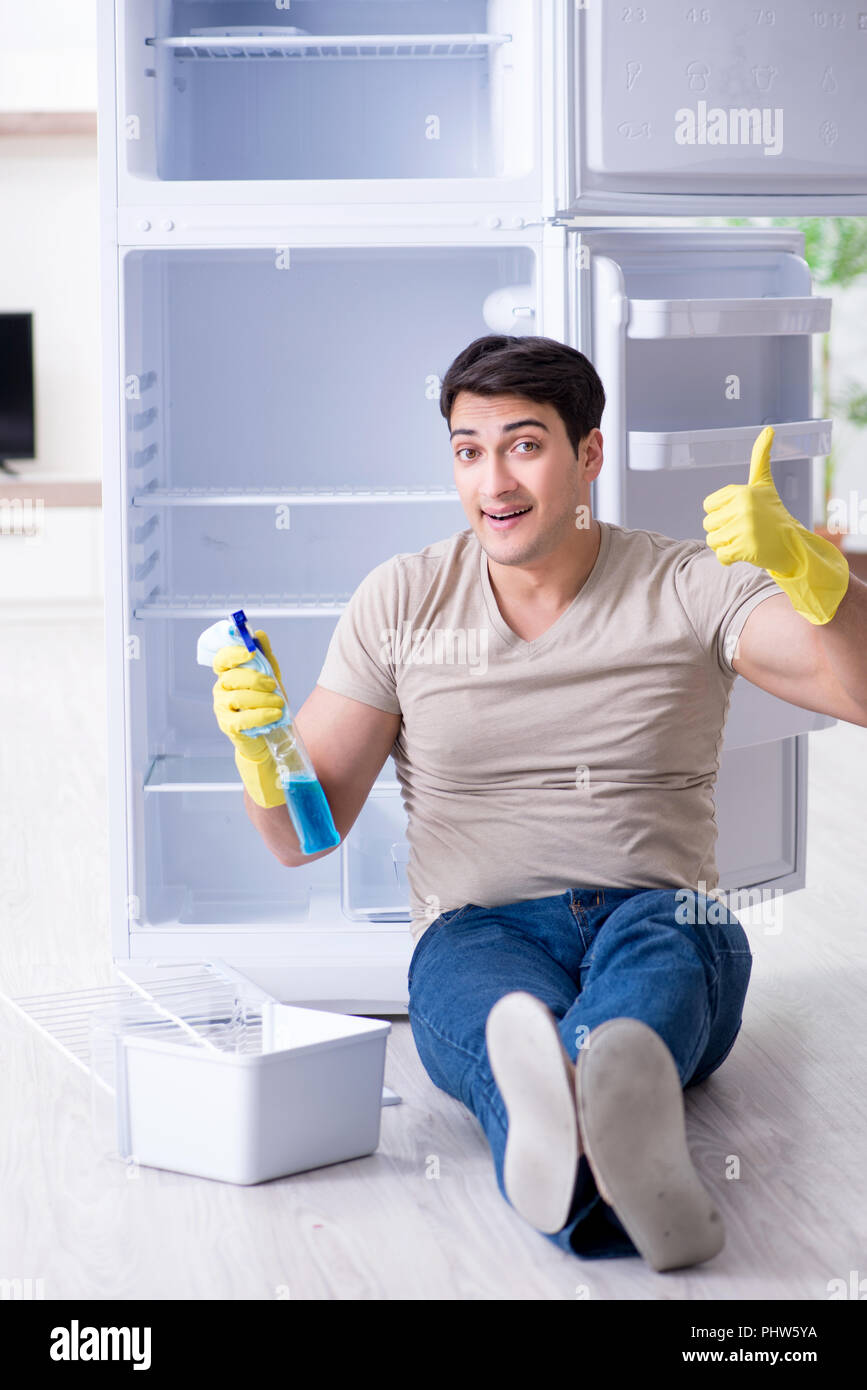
<point>788,1108</point>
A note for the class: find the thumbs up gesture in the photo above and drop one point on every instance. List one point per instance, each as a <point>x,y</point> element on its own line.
<point>747,521</point>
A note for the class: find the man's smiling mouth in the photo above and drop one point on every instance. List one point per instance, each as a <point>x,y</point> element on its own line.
<point>500,518</point>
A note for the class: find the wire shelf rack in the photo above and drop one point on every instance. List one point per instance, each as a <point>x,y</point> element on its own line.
<point>273,46</point>
<point>193,1005</point>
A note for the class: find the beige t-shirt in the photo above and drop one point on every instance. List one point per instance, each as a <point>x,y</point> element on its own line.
<point>584,758</point>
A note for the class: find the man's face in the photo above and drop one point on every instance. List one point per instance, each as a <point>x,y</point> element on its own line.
<point>512,455</point>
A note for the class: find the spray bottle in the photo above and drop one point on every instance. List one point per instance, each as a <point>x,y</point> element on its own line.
<point>305,800</point>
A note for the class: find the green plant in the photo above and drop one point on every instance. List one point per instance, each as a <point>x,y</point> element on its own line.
<point>835,249</point>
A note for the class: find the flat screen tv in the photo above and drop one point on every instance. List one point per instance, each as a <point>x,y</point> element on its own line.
<point>17,419</point>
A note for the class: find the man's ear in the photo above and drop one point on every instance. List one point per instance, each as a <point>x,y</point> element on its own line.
<point>593,457</point>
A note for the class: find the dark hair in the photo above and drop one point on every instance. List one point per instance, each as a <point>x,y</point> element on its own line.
<point>539,368</point>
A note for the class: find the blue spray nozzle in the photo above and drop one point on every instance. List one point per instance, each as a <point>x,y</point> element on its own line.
<point>240,621</point>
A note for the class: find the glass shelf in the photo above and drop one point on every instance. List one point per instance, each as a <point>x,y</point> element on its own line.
<point>176,772</point>
<point>265,497</point>
<point>257,606</point>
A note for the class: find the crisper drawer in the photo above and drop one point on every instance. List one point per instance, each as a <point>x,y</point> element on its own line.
<point>375,853</point>
<point>240,92</point>
<point>199,862</point>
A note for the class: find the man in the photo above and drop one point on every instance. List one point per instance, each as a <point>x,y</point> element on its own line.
<point>553,690</point>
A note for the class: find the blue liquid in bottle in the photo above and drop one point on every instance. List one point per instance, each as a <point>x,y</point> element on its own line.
<point>310,814</point>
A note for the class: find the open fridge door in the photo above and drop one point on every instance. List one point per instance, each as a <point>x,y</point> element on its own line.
<point>702,338</point>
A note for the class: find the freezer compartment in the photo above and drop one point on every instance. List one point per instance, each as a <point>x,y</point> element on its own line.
<point>733,99</point>
<point>334,90</point>
<point>282,553</point>
<point>299,370</point>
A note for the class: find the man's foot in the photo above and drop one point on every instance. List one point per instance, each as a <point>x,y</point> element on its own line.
<point>633,1131</point>
<point>536,1079</point>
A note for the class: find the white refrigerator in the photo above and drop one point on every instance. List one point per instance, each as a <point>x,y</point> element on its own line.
<point>307,212</point>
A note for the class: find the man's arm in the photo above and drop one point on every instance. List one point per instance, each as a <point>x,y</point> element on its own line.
<point>348,743</point>
<point>821,667</point>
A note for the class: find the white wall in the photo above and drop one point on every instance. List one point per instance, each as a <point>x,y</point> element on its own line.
<point>48,55</point>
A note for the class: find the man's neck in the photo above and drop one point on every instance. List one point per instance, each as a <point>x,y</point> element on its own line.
<point>531,597</point>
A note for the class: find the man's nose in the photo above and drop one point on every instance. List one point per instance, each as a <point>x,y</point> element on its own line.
<point>497,479</point>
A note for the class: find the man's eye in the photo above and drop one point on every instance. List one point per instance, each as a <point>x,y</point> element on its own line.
<point>531,442</point>
<point>467,450</point>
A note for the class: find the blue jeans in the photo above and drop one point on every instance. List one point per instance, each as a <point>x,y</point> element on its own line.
<point>591,954</point>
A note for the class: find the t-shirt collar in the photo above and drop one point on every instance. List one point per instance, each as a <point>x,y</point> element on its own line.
<point>501,626</point>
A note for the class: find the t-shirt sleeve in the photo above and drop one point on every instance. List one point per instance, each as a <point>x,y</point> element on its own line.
<point>360,657</point>
<point>718,599</point>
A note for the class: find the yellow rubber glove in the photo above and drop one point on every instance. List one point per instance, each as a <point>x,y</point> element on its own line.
<point>747,521</point>
<point>244,699</point>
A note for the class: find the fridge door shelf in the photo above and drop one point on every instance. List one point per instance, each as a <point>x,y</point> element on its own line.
<point>729,318</point>
<point>658,450</point>
<point>271,45</point>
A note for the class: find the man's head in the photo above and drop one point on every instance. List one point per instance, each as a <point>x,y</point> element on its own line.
<point>523,416</point>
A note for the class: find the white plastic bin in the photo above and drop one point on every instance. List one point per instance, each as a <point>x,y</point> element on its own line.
<point>278,1091</point>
